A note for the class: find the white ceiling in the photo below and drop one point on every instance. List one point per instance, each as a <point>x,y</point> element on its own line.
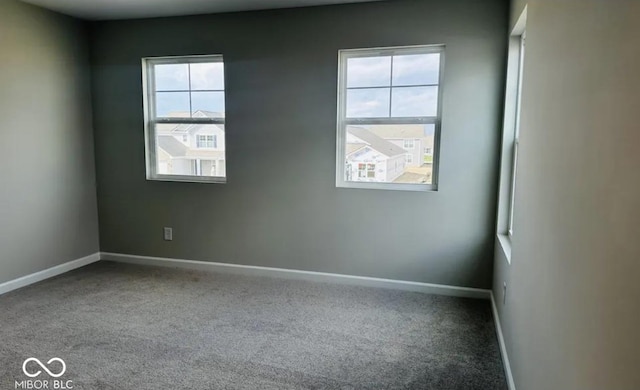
<point>127,9</point>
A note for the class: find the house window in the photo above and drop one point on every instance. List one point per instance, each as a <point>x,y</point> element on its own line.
<point>388,98</point>
<point>366,171</point>
<point>409,144</point>
<point>408,158</point>
<point>184,95</point>
<point>362,171</point>
<point>428,150</point>
<point>207,141</point>
<point>371,170</point>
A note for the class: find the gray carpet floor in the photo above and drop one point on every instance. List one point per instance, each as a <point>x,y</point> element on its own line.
<point>122,326</point>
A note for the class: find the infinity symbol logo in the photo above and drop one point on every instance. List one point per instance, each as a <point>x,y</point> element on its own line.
<point>55,359</point>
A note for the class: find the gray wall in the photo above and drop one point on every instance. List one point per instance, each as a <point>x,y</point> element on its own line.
<point>571,314</point>
<point>48,212</point>
<point>280,207</point>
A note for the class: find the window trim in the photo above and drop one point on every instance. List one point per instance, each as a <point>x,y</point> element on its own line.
<point>343,121</point>
<point>150,119</point>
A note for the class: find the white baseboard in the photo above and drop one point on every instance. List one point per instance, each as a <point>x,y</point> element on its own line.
<point>439,289</point>
<point>503,346</point>
<point>48,273</point>
<point>429,288</point>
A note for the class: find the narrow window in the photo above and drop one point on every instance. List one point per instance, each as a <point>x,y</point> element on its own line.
<point>516,142</point>
<point>388,105</point>
<point>185,102</point>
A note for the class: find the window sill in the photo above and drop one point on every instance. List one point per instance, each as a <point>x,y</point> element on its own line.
<point>189,179</point>
<point>505,244</point>
<point>388,186</point>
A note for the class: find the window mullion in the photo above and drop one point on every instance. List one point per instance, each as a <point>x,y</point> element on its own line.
<point>190,121</point>
<point>391,86</point>
<point>190,100</point>
<point>391,121</point>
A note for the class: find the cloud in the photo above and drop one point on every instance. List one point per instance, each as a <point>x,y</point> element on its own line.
<point>413,69</point>
<point>171,77</point>
<point>368,103</point>
<point>416,69</point>
<point>207,76</point>
<point>405,102</point>
<point>414,101</point>
<point>366,76</point>
<point>369,72</point>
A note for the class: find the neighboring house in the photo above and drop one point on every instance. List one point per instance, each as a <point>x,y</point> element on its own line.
<point>412,138</point>
<point>191,149</point>
<point>371,158</point>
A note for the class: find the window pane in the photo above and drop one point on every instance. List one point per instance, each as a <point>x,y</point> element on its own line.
<point>414,101</point>
<point>209,103</point>
<point>368,103</point>
<point>172,104</point>
<point>172,77</point>
<point>416,69</point>
<point>369,72</point>
<point>190,150</point>
<point>376,153</point>
<point>207,76</point>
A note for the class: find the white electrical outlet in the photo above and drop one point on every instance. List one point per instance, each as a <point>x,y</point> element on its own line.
<point>168,234</point>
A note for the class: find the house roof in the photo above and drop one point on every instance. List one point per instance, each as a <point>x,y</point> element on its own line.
<point>353,147</point>
<point>175,148</point>
<point>375,142</point>
<point>398,131</point>
<point>196,114</point>
<point>188,128</point>
<point>207,114</point>
<point>172,146</point>
<point>183,128</point>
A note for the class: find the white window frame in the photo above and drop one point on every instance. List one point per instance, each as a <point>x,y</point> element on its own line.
<point>209,139</point>
<point>343,121</point>
<point>411,143</point>
<point>150,118</point>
